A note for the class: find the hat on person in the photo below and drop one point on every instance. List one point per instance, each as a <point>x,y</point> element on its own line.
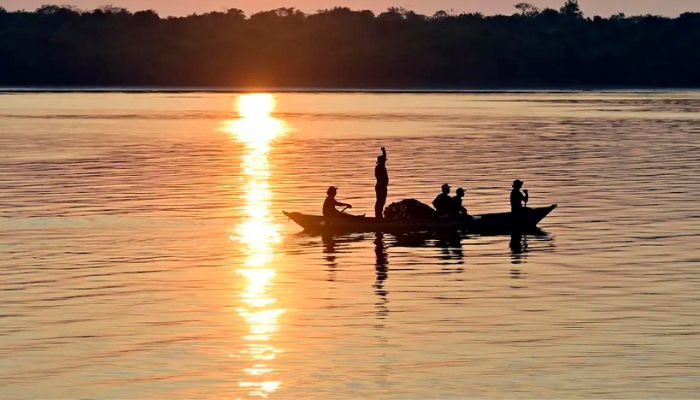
<point>331,189</point>
<point>517,182</point>
<point>445,186</point>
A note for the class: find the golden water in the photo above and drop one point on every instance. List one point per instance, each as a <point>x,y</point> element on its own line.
<point>143,253</point>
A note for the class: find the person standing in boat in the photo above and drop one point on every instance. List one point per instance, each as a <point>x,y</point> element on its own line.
<point>381,188</point>
<point>330,204</point>
<point>518,198</point>
<point>443,202</point>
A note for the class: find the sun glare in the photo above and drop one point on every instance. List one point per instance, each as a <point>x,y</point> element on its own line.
<point>255,105</point>
<point>256,128</point>
<point>257,233</point>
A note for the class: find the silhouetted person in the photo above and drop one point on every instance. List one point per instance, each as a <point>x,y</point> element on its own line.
<point>382,186</point>
<point>518,199</point>
<point>457,209</point>
<point>330,204</point>
<point>443,202</point>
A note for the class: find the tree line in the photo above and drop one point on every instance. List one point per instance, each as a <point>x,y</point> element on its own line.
<point>340,47</point>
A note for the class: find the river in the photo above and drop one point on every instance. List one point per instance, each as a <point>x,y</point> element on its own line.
<point>143,252</point>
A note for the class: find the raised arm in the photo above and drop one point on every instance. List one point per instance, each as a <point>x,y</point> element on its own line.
<point>526,197</point>
<point>384,152</point>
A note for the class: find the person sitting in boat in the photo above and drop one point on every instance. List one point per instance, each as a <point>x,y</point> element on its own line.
<point>330,204</point>
<point>458,210</point>
<point>443,202</point>
<point>518,199</point>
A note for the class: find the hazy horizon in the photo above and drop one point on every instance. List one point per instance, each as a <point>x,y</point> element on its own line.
<point>669,8</point>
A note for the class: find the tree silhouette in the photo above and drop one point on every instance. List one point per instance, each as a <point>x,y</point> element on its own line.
<point>527,9</point>
<point>340,47</point>
<point>571,9</point>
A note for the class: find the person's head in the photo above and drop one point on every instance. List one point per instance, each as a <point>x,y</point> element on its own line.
<point>332,191</point>
<point>445,188</point>
<point>517,184</point>
<point>381,159</point>
<point>460,192</point>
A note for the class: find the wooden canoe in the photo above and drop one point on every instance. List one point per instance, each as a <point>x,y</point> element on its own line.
<point>487,223</point>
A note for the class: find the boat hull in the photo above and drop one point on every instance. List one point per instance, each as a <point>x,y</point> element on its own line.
<point>486,223</point>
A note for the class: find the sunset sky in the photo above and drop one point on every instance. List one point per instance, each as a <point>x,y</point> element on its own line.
<point>180,7</point>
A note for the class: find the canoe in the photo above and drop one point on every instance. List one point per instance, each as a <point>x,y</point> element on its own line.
<point>486,223</point>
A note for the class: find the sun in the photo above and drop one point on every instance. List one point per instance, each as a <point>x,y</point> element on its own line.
<point>256,105</point>
<point>256,128</point>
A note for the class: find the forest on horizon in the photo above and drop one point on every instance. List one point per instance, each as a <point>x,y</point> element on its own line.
<point>343,48</point>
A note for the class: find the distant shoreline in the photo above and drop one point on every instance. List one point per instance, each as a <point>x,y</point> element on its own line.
<point>166,89</point>
<point>62,48</point>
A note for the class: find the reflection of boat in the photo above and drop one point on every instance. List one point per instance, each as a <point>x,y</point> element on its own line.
<point>497,222</point>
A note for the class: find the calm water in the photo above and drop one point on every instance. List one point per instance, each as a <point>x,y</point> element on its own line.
<point>143,253</point>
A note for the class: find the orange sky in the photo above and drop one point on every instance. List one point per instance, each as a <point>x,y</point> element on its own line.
<point>181,7</point>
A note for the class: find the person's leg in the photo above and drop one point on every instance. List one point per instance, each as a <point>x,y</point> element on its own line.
<point>381,201</point>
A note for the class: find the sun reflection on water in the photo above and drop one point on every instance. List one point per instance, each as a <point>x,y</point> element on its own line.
<point>256,129</point>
